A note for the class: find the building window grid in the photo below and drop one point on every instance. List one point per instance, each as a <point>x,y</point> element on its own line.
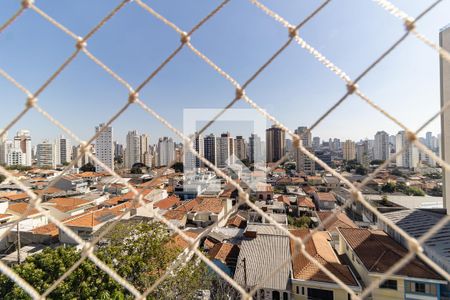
<point>389,284</point>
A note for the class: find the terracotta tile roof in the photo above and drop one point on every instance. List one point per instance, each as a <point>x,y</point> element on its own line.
<point>319,248</point>
<point>90,174</point>
<point>225,252</point>
<point>208,243</point>
<point>168,202</point>
<point>49,229</point>
<point>237,221</point>
<point>16,197</point>
<point>309,189</point>
<point>263,187</point>
<point>114,200</point>
<point>47,191</point>
<point>213,205</point>
<point>379,252</point>
<point>174,214</point>
<point>326,197</point>
<point>285,199</point>
<point>338,220</point>
<point>178,242</point>
<point>69,201</point>
<point>20,208</point>
<point>94,218</point>
<point>5,216</point>
<point>304,201</point>
<point>130,195</point>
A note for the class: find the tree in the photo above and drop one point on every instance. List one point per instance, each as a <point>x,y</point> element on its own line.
<point>360,170</point>
<point>178,167</point>
<point>377,162</point>
<point>396,172</point>
<point>2,178</point>
<point>88,168</point>
<point>388,187</point>
<point>302,222</point>
<point>141,253</point>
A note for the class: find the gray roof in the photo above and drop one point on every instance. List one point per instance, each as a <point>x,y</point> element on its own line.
<point>264,254</point>
<point>265,229</point>
<point>418,222</point>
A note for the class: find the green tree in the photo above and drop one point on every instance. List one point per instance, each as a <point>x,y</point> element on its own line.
<point>140,253</point>
<point>2,178</point>
<point>388,187</point>
<point>178,167</point>
<point>360,170</point>
<point>88,168</point>
<point>302,222</point>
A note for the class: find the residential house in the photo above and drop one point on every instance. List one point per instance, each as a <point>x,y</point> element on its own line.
<point>255,264</point>
<point>72,183</point>
<point>324,201</point>
<point>308,281</point>
<point>225,256</point>
<point>372,253</point>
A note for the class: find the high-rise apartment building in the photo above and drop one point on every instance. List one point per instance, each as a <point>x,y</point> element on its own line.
<point>133,149</point>
<point>304,163</point>
<point>191,162</point>
<point>381,149</point>
<point>316,142</point>
<point>46,155</point>
<point>15,157</point>
<point>63,150</point>
<point>305,135</point>
<point>363,153</point>
<point>240,148</point>
<point>349,150</point>
<point>225,150</point>
<point>210,148</point>
<point>166,151</point>
<point>275,144</point>
<point>144,149</point>
<point>255,149</point>
<point>104,147</point>
<point>410,157</point>
<point>22,141</point>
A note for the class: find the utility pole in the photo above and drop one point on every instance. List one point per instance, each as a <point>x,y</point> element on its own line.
<point>18,243</point>
<point>245,271</point>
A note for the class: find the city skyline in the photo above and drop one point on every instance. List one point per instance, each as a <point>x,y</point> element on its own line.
<point>419,80</point>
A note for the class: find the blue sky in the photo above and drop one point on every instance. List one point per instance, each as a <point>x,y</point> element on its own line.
<point>295,88</point>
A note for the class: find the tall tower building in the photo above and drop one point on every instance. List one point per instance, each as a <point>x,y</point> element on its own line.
<point>22,141</point>
<point>444,41</point>
<point>133,149</point>
<point>410,157</point>
<point>46,155</point>
<point>225,149</point>
<point>210,148</point>
<point>275,144</point>
<point>349,150</point>
<point>363,156</point>
<point>166,151</point>
<point>305,135</point>
<point>104,147</point>
<point>255,149</point>
<point>63,151</point>
<point>145,157</point>
<point>191,162</point>
<point>381,149</point>
<point>240,148</point>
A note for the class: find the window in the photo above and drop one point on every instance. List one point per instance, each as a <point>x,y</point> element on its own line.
<point>389,284</point>
<point>275,295</point>
<point>297,290</point>
<point>285,296</point>
<point>420,287</point>
<point>303,290</point>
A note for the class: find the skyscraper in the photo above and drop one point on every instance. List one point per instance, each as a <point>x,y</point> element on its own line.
<point>316,142</point>
<point>275,144</point>
<point>240,148</point>
<point>104,147</point>
<point>133,149</point>
<point>63,151</point>
<point>381,149</point>
<point>210,148</point>
<point>410,157</point>
<point>255,153</point>
<point>363,156</point>
<point>305,135</point>
<point>46,155</point>
<point>144,149</point>
<point>349,150</point>
<point>191,162</point>
<point>225,149</point>
<point>22,141</point>
<point>166,151</point>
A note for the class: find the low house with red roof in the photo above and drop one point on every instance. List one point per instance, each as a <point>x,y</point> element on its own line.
<point>34,218</point>
<point>308,281</point>
<point>85,225</point>
<point>208,211</point>
<point>224,256</point>
<point>324,201</point>
<point>62,208</point>
<point>372,253</point>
